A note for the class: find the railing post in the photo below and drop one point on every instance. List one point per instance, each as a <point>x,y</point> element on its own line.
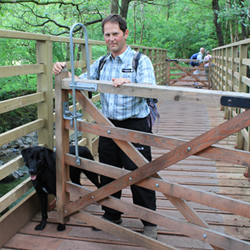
<point>164,67</point>
<point>168,73</point>
<point>241,142</point>
<point>209,74</point>
<point>227,86</point>
<point>45,84</point>
<point>62,147</point>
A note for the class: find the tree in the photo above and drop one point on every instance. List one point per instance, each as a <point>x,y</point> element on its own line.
<point>216,10</point>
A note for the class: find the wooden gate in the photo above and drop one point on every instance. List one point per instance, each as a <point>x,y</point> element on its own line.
<point>146,175</point>
<point>188,73</point>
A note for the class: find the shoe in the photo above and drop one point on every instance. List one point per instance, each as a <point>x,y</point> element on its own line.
<point>150,231</point>
<point>118,221</point>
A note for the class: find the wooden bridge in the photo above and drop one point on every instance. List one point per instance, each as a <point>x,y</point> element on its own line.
<point>202,196</point>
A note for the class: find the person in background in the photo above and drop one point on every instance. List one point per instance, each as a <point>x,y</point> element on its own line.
<point>123,111</point>
<point>197,72</point>
<point>208,58</point>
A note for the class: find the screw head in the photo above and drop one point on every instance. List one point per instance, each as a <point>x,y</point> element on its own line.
<point>188,149</point>
<point>204,236</point>
<point>130,178</point>
<point>157,185</point>
<point>109,132</point>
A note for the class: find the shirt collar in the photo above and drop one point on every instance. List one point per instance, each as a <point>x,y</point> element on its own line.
<point>125,54</point>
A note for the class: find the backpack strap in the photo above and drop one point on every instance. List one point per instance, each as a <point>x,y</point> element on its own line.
<point>101,64</point>
<point>135,60</point>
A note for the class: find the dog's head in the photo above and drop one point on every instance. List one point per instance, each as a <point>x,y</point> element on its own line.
<point>37,159</point>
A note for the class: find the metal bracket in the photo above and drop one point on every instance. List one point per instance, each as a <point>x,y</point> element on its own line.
<point>83,86</point>
<point>68,115</point>
<point>237,102</point>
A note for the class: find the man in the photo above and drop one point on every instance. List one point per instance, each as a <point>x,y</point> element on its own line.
<point>197,72</point>
<point>123,111</point>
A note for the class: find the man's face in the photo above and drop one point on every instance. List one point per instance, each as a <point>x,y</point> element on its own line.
<point>115,38</point>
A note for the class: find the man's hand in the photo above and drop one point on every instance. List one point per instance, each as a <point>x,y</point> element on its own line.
<point>57,68</point>
<point>119,81</point>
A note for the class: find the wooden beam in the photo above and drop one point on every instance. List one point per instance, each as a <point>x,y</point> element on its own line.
<point>199,96</point>
<point>11,166</point>
<point>7,71</point>
<point>20,102</point>
<point>62,146</point>
<point>18,132</point>
<point>15,193</point>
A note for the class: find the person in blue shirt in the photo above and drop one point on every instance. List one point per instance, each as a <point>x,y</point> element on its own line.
<point>197,72</point>
<point>123,111</point>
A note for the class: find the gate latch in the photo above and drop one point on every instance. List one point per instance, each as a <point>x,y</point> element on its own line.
<point>68,115</point>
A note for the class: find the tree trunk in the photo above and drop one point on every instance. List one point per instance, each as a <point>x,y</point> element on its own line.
<point>142,29</point>
<point>248,19</point>
<point>124,8</point>
<point>114,7</point>
<point>142,22</point>
<point>243,27</point>
<point>216,9</point>
<point>134,23</point>
<point>236,30</point>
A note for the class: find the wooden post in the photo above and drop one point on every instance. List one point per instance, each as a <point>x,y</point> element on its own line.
<point>234,67</point>
<point>45,84</point>
<point>209,74</point>
<point>168,73</point>
<point>164,76</point>
<point>241,142</point>
<point>86,116</point>
<point>62,147</point>
<point>227,87</point>
<point>215,71</point>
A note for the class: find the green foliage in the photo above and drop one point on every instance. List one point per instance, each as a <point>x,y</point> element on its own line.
<point>182,27</point>
<point>11,87</point>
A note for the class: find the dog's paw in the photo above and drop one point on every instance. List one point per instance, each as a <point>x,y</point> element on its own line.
<point>40,227</point>
<point>61,227</point>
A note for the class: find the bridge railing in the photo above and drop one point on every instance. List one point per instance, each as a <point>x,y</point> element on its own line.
<point>44,122</point>
<point>230,72</point>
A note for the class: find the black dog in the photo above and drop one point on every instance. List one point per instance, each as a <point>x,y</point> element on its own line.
<point>41,162</point>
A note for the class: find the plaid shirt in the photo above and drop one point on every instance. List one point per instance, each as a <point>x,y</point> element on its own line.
<point>121,107</point>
